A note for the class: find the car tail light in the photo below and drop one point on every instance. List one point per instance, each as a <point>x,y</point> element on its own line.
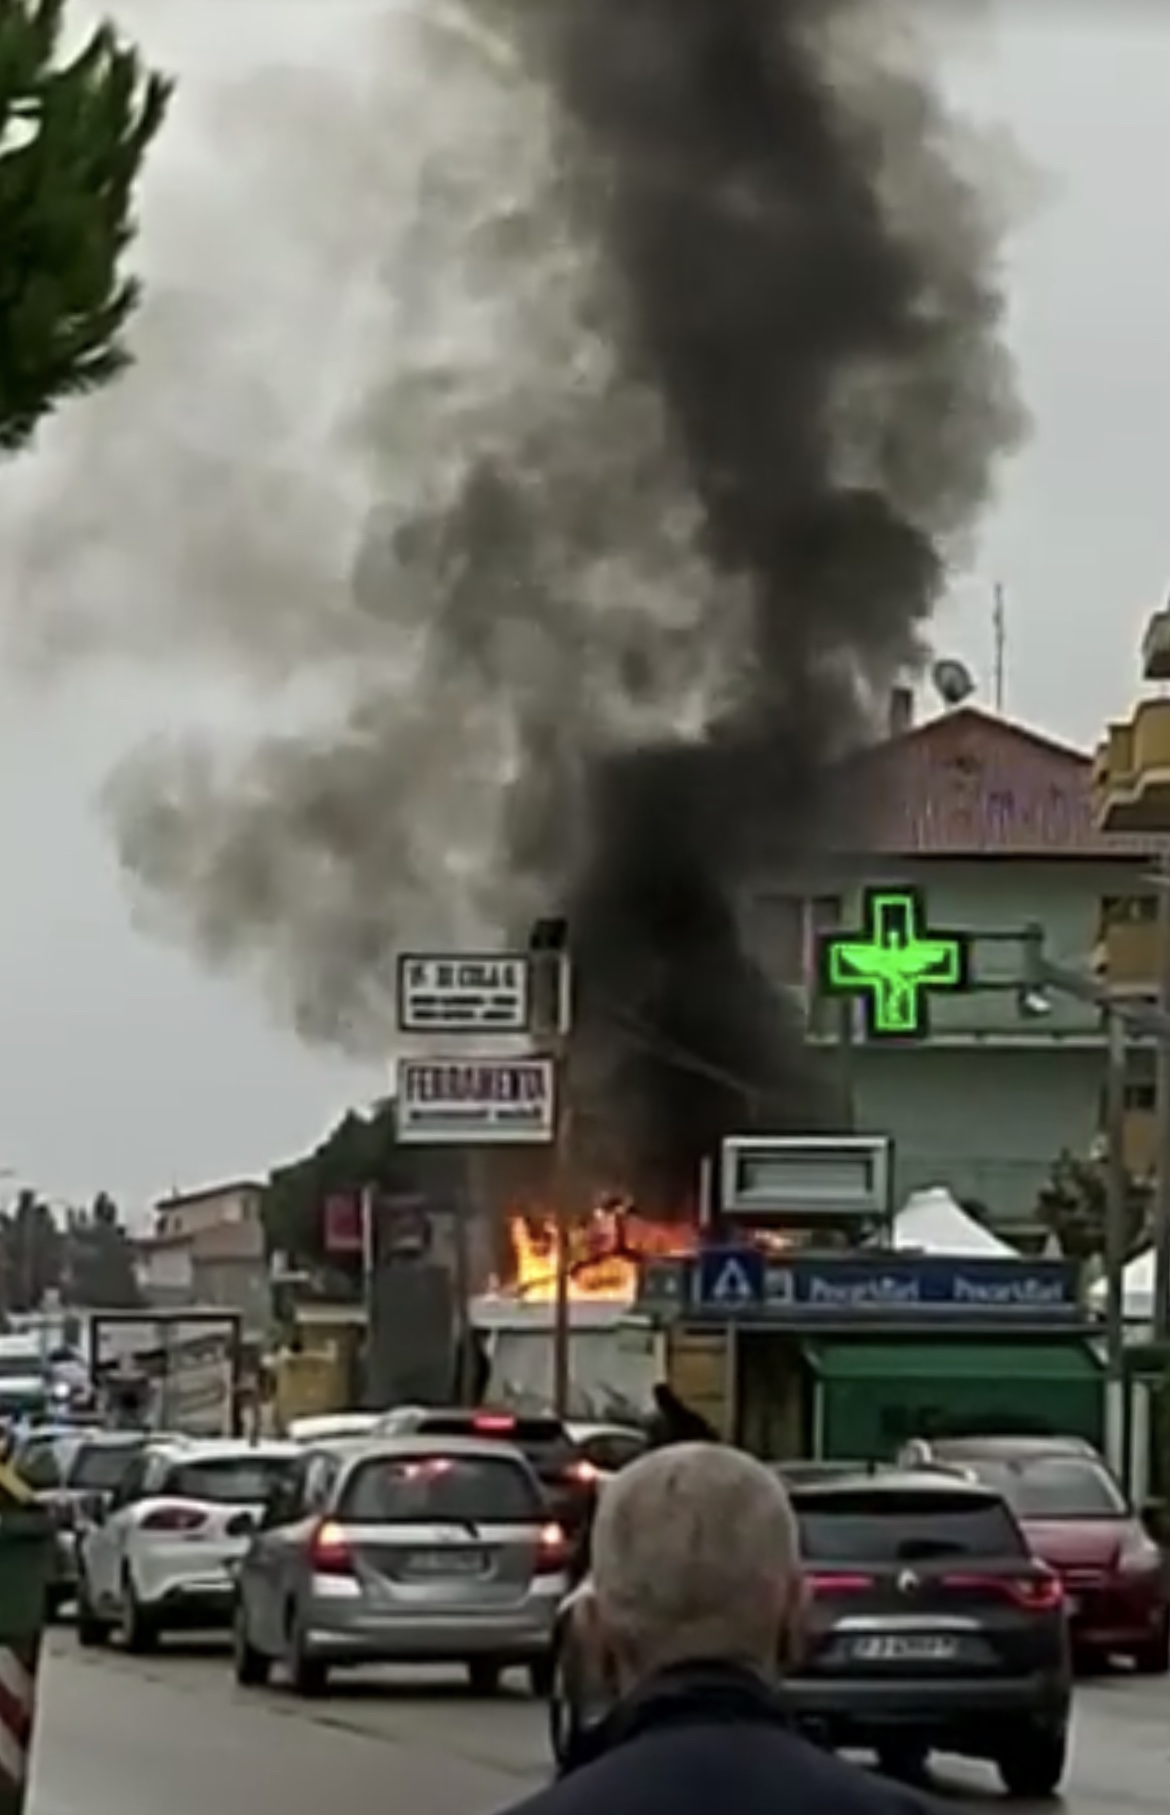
<point>552,1550</point>
<point>827,1582</point>
<point>582,1473</point>
<point>329,1550</point>
<point>174,1518</point>
<point>1040,1592</point>
<point>493,1424</point>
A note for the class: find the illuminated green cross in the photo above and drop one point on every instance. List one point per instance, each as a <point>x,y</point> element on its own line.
<point>894,963</point>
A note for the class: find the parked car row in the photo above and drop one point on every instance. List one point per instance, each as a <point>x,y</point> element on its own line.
<point>424,1536</point>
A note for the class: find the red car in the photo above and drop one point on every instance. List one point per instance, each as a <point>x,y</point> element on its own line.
<point>1079,1522</point>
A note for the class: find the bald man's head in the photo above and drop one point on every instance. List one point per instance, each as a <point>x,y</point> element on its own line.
<point>695,1558</point>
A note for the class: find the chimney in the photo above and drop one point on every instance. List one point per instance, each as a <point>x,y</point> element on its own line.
<point>901,711</point>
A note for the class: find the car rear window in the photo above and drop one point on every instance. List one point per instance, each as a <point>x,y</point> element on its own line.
<point>893,1527</point>
<point>544,1441</point>
<point>100,1466</point>
<point>227,1480</point>
<point>1054,1487</point>
<point>416,1489</point>
<point>41,1461</point>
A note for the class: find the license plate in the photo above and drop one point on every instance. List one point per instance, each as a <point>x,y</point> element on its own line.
<point>904,1647</point>
<point>446,1562</point>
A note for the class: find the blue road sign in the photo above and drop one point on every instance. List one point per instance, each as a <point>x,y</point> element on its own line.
<point>729,1276</point>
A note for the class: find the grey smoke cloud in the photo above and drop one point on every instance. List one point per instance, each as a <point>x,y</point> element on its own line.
<point>626,372</point>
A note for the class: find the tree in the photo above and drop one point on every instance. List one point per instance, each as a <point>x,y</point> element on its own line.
<point>30,1248</point>
<point>73,136</point>
<point>1072,1206</point>
<point>98,1266</point>
<point>361,1151</point>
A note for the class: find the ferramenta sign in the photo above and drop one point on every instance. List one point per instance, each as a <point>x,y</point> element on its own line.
<point>494,1102</point>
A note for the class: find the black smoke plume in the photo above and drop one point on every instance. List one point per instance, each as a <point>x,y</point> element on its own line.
<point>683,384</point>
<point>827,371</point>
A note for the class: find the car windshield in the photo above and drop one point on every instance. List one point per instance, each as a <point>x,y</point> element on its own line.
<point>227,1480</point>
<point>41,1461</point>
<point>896,1527</point>
<point>1055,1487</point>
<point>477,1490</point>
<point>99,1467</point>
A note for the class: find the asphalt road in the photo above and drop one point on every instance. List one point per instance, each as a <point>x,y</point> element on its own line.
<point>124,1736</point>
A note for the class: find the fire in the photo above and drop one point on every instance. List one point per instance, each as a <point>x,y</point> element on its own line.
<point>604,1249</point>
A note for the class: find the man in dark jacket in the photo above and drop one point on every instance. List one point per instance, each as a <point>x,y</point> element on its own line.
<point>697,1601</point>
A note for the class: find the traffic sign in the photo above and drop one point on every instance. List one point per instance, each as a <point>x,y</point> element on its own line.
<point>497,1102</point>
<point>464,993</point>
<point>729,1276</point>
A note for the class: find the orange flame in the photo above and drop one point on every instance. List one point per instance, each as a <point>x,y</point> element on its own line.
<point>602,1253</point>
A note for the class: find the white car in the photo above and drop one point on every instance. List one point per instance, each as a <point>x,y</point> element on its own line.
<point>162,1555</point>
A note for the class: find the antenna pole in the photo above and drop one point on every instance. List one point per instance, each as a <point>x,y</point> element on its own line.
<point>999,634</point>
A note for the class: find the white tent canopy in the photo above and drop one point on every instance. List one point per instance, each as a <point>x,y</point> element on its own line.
<point>931,1222</point>
<point>1137,1289</point>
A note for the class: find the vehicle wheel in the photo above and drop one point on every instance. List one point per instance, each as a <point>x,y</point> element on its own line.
<point>136,1629</point>
<point>1034,1762</point>
<point>307,1675</point>
<point>484,1673</point>
<point>92,1632</point>
<point>542,1675</point>
<point>252,1669</point>
<point>905,1759</point>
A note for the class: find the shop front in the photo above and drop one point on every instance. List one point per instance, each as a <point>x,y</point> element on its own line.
<point>850,1355</point>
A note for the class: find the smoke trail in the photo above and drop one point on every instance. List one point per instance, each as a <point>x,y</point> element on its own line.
<point>682,377</point>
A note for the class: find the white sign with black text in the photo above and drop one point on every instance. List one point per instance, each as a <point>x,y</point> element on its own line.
<point>467,1102</point>
<point>464,993</point>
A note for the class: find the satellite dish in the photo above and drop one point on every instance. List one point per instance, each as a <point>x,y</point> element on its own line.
<point>952,682</point>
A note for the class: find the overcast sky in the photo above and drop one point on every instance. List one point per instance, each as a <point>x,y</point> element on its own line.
<point>125,1065</point>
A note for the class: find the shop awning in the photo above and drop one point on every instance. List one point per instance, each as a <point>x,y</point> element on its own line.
<point>1070,1360</point>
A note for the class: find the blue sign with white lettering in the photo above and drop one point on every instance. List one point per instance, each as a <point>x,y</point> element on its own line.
<point>746,1281</point>
<point>730,1277</point>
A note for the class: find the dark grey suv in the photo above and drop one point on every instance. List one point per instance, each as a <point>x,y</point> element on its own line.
<point>930,1626</point>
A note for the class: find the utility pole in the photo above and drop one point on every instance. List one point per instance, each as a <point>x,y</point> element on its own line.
<point>1161,1330</point>
<point>999,638</point>
<point>552,1017</point>
<point>1116,1185</point>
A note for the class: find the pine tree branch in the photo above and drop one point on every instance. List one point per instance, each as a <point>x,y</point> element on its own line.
<point>73,139</point>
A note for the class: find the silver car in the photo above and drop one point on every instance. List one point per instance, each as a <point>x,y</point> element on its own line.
<point>161,1554</point>
<point>403,1550</point>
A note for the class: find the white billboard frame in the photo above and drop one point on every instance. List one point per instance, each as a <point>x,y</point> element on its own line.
<point>456,1121</point>
<point>440,994</point>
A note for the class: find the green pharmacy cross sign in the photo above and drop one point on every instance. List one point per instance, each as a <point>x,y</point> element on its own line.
<point>895,963</point>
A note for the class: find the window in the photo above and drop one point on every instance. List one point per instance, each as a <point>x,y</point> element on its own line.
<point>476,1490</point>
<point>891,1527</point>
<point>100,1467</point>
<point>1141,1093</point>
<point>134,1482</point>
<point>544,1441</point>
<point>1129,910</point>
<point>227,1480</point>
<point>612,1450</point>
<point>1055,1487</point>
<point>41,1462</point>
